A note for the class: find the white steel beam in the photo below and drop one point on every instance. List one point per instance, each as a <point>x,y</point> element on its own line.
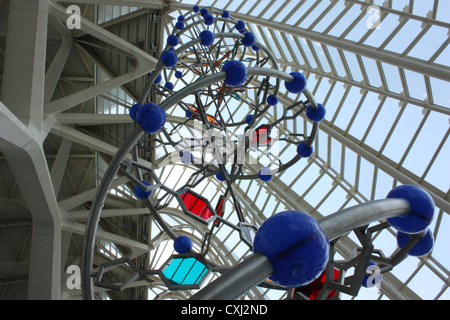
<point>144,64</point>
<point>392,58</point>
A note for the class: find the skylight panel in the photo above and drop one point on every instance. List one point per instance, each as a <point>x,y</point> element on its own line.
<point>272,9</point>
<point>392,76</point>
<point>331,15</point>
<point>260,7</point>
<point>345,21</point>
<point>444,56</point>
<point>436,176</point>
<point>319,7</point>
<point>382,124</point>
<point>365,115</point>
<point>421,8</point>
<point>372,72</point>
<point>353,65</point>
<point>378,36</point>
<point>426,143</point>
<point>287,8</point>
<point>405,36</point>
<point>404,131</point>
<point>348,108</point>
<point>294,20</point>
<point>430,43</point>
<point>441,92</point>
<point>416,85</point>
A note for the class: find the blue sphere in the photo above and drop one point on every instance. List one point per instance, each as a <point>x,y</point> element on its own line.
<point>249,39</point>
<point>272,100</point>
<point>295,245</point>
<point>264,174</point>
<point>134,110</point>
<point>220,176</point>
<point>240,25</point>
<point>157,79</point>
<point>423,247</point>
<point>181,18</point>
<point>151,118</point>
<point>298,84</point>
<point>204,12</point>
<point>169,85</point>
<point>196,8</point>
<point>255,47</point>
<point>173,40</point>
<point>249,119</point>
<point>169,58</point>
<point>209,19</point>
<point>225,14</point>
<point>207,38</point>
<point>421,213</point>
<point>236,73</point>
<point>317,114</point>
<point>141,193</point>
<point>179,25</point>
<point>304,151</point>
<point>182,244</point>
<point>178,74</point>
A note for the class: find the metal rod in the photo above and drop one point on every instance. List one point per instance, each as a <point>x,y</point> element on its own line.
<point>238,280</point>
<point>257,267</point>
<point>338,223</point>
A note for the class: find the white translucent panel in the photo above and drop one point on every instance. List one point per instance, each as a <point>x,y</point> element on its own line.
<point>405,36</point>
<point>383,123</point>
<point>403,132</point>
<point>331,15</point>
<point>426,143</point>
<point>312,17</point>
<point>441,92</point>
<point>392,76</point>
<point>429,43</point>
<point>378,36</point>
<point>345,21</point>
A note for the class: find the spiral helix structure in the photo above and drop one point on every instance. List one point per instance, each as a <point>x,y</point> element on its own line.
<point>216,89</point>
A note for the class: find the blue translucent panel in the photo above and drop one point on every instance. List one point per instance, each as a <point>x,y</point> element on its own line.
<point>185,271</point>
<point>196,273</point>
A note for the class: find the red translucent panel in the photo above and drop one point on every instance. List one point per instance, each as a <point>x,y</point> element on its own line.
<point>261,136</point>
<point>312,289</point>
<point>196,205</point>
<point>219,209</point>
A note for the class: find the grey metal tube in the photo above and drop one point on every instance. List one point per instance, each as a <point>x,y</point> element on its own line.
<point>343,221</point>
<point>238,280</point>
<point>258,267</point>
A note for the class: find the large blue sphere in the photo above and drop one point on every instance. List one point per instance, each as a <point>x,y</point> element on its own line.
<point>151,118</point>
<point>422,209</point>
<point>182,244</point>
<point>295,245</point>
<point>236,73</point>
<point>141,193</point>
<point>423,247</point>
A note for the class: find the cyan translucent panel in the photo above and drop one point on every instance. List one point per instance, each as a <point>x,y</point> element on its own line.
<point>185,271</point>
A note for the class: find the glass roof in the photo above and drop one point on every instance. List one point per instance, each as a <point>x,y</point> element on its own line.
<point>375,110</point>
<point>382,72</point>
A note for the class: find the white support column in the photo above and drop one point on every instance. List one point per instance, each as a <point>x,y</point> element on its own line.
<point>24,67</point>
<point>59,165</point>
<point>22,149</point>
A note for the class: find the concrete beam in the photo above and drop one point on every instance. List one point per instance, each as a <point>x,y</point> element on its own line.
<point>22,148</point>
<point>24,67</point>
